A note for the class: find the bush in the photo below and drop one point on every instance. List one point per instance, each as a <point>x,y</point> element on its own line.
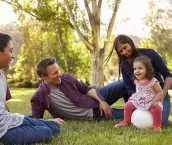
<point>14,80</point>
<point>19,85</point>
<point>26,84</point>
<point>31,84</point>
<point>11,81</point>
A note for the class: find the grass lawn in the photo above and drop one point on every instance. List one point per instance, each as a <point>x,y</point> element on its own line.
<point>93,132</point>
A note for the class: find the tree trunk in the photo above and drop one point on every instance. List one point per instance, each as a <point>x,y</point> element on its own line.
<point>96,70</point>
<point>62,46</point>
<point>96,63</point>
<point>97,54</point>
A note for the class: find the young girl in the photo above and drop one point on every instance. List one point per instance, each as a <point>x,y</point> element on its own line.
<point>147,96</point>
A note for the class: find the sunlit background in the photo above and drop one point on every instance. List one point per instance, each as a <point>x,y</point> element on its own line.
<point>128,17</point>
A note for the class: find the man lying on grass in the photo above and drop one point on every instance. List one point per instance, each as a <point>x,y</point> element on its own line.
<point>66,97</point>
<point>17,128</point>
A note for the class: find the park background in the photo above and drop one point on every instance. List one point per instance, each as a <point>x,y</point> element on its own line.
<point>80,36</point>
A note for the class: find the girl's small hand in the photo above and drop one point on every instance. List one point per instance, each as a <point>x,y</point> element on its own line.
<point>153,103</point>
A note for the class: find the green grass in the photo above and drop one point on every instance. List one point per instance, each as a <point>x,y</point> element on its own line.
<point>93,132</point>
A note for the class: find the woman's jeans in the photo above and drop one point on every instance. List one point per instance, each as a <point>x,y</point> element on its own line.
<point>31,131</point>
<point>113,91</point>
<point>166,109</point>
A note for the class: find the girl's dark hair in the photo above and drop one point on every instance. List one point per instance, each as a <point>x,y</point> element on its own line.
<point>4,39</point>
<point>42,65</point>
<point>122,39</point>
<point>147,63</point>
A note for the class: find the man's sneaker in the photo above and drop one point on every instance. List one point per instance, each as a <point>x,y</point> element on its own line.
<point>121,124</point>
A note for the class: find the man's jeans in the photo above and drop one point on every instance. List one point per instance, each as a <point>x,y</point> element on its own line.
<point>113,91</point>
<point>31,131</point>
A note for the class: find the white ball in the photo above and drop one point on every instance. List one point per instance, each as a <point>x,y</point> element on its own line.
<point>142,119</point>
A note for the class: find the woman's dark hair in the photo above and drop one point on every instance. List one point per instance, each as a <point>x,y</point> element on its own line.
<point>122,39</point>
<point>147,63</point>
<point>42,65</point>
<point>4,39</point>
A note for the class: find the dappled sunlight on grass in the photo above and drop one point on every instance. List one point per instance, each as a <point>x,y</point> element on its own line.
<point>15,100</point>
<point>20,101</point>
<point>119,104</point>
<point>82,132</point>
<point>170,118</point>
<point>20,92</point>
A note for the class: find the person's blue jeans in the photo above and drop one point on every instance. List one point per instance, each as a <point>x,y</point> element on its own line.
<point>112,92</point>
<point>166,109</point>
<point>31,131</point>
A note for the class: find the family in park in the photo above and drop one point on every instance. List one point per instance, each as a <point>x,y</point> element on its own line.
<point>144,86</point>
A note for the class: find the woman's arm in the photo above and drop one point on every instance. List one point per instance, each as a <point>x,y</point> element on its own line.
<point>161,67</point>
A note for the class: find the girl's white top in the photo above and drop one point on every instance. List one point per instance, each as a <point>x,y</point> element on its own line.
<point>144,94</point>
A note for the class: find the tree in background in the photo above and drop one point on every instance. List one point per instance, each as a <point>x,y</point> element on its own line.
<point>12,30</point>
<point>88,25</point>
<point>86,22</point>
<point>39,43</point>
<point>36,46</point>
<point>159,20</point>
<point>46,36</point>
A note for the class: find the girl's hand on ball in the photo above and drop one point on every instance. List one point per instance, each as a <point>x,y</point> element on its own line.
<point>153,103</point>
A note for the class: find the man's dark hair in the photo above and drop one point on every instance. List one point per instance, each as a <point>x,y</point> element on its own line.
<point>42,65</point>
<point>4,39</point>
